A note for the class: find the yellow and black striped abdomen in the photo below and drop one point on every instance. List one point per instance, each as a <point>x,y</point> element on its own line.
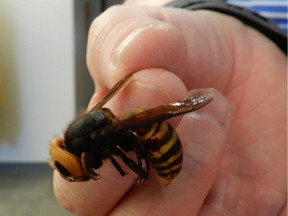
<point>163,149</point>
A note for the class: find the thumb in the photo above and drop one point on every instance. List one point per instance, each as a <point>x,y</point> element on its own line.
<point>203,134</point>
<point>199,47</point>
<point>123,40</point>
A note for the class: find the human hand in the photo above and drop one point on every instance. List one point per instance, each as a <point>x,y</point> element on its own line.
<point>232,165</point>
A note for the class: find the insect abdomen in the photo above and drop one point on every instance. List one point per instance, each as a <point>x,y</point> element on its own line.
<point>163,149</point>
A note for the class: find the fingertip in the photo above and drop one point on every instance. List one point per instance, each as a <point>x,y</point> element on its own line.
<point>93,197</point>
<point>207,128</point>
<point>148,88</point>
<point>204,134</point>
<point>127,39</point>
<point>154,45</point>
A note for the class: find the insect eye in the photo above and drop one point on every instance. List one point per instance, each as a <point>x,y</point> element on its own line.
<point>64,172</point>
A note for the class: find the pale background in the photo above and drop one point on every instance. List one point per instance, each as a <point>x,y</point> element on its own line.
<point>42,64</point>
<point>43,70</point>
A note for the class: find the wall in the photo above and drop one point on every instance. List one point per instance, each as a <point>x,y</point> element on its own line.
<point>37,62</point>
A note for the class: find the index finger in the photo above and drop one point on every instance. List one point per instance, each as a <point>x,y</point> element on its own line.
<point>127,39</point>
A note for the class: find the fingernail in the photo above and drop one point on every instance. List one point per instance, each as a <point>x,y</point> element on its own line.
<point>128,41</point>
<point>150,96</point>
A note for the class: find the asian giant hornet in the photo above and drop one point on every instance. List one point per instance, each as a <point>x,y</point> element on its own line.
<point>99,135</point>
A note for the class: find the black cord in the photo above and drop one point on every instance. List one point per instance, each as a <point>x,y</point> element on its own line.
<point>250,18</point>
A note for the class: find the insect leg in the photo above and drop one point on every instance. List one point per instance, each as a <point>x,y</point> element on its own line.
<point>118,87</point>
<point>131,164</point>
<point>140,152</point>
<point>118,167</point>
<point>133,143</point>
<point>88,163</point>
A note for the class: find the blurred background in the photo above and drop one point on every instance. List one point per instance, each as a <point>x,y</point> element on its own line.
<point>44,83</point>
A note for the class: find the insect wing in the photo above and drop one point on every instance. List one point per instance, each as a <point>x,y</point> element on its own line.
<point>116,88</point>
<point>157,114</point>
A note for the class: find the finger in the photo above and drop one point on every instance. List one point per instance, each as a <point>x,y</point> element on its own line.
<point>203,134</point>
<point>202,49</point>
<point>111,36</point>
<point>99,197</point>
<point>284,210</point>
<point>92,197</point>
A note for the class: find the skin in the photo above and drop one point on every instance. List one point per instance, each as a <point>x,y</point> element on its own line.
<point>234,148</point>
